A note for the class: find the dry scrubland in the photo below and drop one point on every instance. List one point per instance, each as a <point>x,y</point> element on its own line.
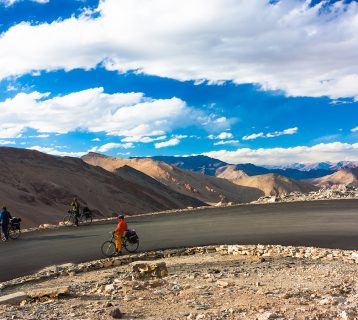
<point>225,282</point>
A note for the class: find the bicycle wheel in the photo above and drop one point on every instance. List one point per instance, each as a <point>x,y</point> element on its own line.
<point>131,246</point>
<point>108,248</point>
<point>68,220</point>
<point>14,233</point>
<point>85,219</point>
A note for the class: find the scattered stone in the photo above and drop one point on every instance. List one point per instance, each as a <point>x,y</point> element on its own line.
<point>116,313</point>
<point>142,270</point>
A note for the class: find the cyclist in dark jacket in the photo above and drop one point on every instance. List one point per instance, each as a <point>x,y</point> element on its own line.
<point>5,217</point>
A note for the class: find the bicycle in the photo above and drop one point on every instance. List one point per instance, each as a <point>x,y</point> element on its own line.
<point>14,229</point>
<point>130,242</point>
<point>85,217</point>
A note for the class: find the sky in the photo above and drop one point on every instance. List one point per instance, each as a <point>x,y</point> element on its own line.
<point>266,82</point>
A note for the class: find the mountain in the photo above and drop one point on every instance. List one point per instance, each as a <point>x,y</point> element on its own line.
<point>209,166</point>
<point>201,164</point>
<point>347,177</point>
<point>38,188</point>
<point>230,172</point>
<point>330,166</point>
<point>205,188</point>
<point>274,184</point>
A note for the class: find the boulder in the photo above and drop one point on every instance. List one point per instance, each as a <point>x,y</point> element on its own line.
<point>116,313</point>
<point>48,292</point>
<point>13,298</point>
<point>143,270</point>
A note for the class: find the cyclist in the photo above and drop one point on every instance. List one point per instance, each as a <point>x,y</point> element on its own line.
<point>120,230</point>
<point>5,218</point>
<point>75,209</point>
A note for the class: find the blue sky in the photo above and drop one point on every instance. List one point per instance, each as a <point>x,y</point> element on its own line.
<point>243,81</point>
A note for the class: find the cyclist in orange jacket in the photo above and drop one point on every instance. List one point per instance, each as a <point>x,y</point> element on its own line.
<point>120,230</point>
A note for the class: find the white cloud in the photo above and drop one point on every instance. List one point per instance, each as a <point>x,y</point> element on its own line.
<point>55,152</point>
<point>6,142</point>
<point>143,139</point>
<point>354,129</point>
<point>334,152</point>
<point>287,45</point>
<point>40,136</point>
<point>92,110</point>
<point>225,135</point>
<point>96,139</point>
<point>9,3</point>
<point>169,143</point>
<point>274,134</point>
<point>221,136</point>
<point>112,145</point>
<point>253,136</point>
<point>223,142</point>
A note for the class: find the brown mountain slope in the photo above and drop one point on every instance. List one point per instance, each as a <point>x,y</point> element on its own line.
<point>205,188</point>
<point>347,177</point>
<point>38,188</point>
<point>229,172</point>
<point>274,185</point>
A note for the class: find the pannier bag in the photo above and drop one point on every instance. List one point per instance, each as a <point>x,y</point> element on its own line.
<point>132,236</point>
<point>87,212</point>
<point>15,222</point>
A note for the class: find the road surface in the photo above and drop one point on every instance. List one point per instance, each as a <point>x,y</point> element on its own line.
<point>330,224</point>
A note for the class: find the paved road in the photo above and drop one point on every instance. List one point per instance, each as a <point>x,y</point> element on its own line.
<point>330,224</point>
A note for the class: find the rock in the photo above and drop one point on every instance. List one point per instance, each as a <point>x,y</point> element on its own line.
<point>142,270</point>
<point>222,284</point>
<point>109,288</point>
<point>116,313</point>
<point>13,298</point>
<point>48,292</point>
<point>268,316</point>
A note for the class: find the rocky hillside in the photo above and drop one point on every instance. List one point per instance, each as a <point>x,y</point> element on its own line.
<point>229,172</point>
<point>274,184</point>
<point>205,188</point>
<point>346,177</point>
<point>38,188</point>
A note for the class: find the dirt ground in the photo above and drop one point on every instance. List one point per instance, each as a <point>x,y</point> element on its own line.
<point>209,286</point>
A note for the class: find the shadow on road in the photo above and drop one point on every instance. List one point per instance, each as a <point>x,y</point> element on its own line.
<point>59,237</point>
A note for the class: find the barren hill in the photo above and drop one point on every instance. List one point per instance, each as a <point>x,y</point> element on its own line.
<point>274,185</point>
<point>230,172</point>
<point>347,177</point>
<point>38,188</point>
<point>205,188</point>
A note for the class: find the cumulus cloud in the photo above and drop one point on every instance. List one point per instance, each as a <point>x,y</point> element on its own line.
<point>93,110</point>
<point>334,152</point>
<point>6,142</point>
<point>143,139</point>
<point>9,3</point>
<point>112,145</point>
<point>40,136</point>
<point>286,45</point>
<point>223,142</point>
<point>222,136</point>
<point>169,143</point>
<point>274,134</point>
<point>56,152</point>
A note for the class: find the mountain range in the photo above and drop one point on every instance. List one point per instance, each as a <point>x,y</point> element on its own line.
<point>39,187</point>
<point>212,167</point>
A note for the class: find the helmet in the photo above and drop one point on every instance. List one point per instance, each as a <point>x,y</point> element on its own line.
<point>121,216</point>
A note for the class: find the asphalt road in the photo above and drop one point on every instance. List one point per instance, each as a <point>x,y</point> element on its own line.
<point>330,224</point>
